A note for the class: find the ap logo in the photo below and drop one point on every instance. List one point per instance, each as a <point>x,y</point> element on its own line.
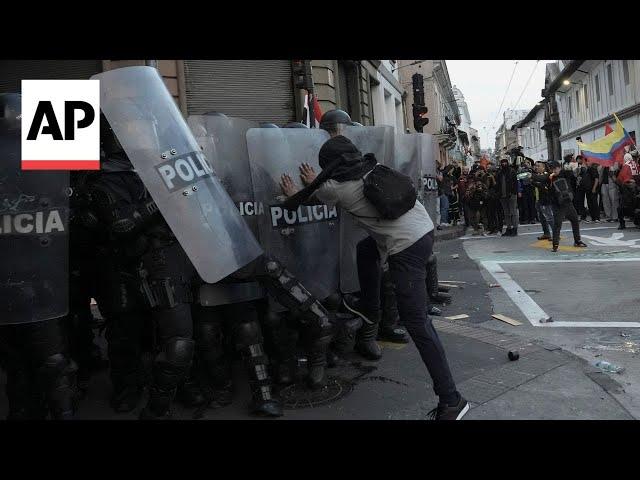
<point>60,124</point>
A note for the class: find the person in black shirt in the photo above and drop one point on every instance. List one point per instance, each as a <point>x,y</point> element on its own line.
<point>541,185</point>
<point>561,201</point>
<point>589,185</point>
<point>507,188</point>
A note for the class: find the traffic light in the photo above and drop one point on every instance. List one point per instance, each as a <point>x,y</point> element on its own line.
<point>301,70</point>
<point>419,117</point>
<point>419,110</point>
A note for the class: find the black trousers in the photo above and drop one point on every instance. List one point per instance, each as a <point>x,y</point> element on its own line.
<point>578,203</point>
<point>559,214</point>
<point>592,203</point>
<point>408,273</point>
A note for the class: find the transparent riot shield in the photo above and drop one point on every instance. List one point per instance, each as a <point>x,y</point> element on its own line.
<point>380,142</point>
<point>34,236</point>
<point>428,150</point>
<point>224,141</point>
<point>177,174</point>
<point>407,157</point>
<point>306,241</point>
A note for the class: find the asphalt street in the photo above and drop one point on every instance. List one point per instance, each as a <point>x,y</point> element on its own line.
<point>589,295</point>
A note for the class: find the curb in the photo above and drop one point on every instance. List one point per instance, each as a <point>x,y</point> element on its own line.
<point>450,233</point>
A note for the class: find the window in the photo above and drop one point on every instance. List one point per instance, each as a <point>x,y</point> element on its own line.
<point>597,88</point>
<point>586,97</point>
<point>569,107</point>
<point>610,78</point>
<point>625,70</point>
<point>577,101</point>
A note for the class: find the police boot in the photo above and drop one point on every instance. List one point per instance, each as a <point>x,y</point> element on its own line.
<point>317,350</point>
<point>263,400</point>
<point>389,329</point>
<point>57,377</point>
<point>248,339</point>
<point>190,393</point>
<point>170,368</point>
<point>366,344</point>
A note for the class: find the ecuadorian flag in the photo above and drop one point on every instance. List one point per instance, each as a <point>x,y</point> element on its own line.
<point>609,149</point>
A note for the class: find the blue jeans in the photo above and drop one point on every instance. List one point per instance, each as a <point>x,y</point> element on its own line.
<point>444,209</point>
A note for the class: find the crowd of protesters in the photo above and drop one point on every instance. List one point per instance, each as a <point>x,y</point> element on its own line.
<point>495,199</point>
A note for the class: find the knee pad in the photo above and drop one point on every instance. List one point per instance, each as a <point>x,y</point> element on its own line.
<point>55,369</point>
<point>208,334</point>
<point>178,352</point>
<point>247,334</point>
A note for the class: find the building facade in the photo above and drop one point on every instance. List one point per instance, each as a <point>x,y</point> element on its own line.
<point>588,96</point>
<point>444,116</point>
<point>530,134</point>
<point>260,90</point>
<point>506,138</point>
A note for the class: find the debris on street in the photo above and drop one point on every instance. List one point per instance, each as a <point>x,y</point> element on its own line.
<point>504,318</point>
<point>457,317</point>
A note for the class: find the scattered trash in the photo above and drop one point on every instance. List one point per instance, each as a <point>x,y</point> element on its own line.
<point>513,356</point>
<point>455,255</point>
<point>626,347</point>
<point>625,335</point>
<point>494,285</point>
<point>504,318</point>
<point>457,317</point>
<point>609,367</point>
<point>598,355</point>
<point>546,320</point>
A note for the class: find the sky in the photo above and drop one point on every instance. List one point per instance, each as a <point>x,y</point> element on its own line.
<point>484,83</point>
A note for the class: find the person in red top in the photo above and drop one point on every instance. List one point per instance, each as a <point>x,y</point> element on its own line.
<point>627,181</point>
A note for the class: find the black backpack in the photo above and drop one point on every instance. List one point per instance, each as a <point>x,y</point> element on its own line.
<point>391,192</point>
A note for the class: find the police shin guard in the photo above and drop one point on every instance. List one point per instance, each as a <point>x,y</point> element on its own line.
<point>282,346</point>
<point>57,377</point>
<point>249,342</point>
<point>171,366</point>
<point>289,292</point>
<point>389,329</point>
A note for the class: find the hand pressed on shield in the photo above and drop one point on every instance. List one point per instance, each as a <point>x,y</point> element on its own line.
<point>287,185</point>
<point>307,173</point>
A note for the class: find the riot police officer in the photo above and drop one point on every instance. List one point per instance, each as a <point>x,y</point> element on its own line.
<point>41,378</point>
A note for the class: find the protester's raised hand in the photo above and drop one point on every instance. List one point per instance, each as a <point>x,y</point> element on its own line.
<point>287,185</point>
<point>307,173</point>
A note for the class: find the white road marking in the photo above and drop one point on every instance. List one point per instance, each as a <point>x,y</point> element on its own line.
<point>479,237</point>
<point>530,309</point>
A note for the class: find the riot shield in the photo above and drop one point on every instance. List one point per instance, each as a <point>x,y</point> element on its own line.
<point>224,142</point>
<point>34,235</point>
<point>428,150</point>
<point>306,241</point>
<point>379,141</point>
<point>177,174</point>
<point>407,157</point>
